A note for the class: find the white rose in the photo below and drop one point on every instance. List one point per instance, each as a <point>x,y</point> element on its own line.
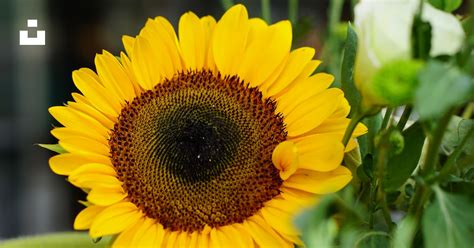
<point>384,30</point>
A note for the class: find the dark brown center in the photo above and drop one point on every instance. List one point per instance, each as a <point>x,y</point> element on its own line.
<point>196,150</point>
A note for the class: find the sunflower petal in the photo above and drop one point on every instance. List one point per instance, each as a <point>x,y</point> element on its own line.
<point>127,66</point>
<point>92,112</point>
<point>95,168</point>
<point>81,122</point>
<point>113,76</point>
<point>139,239</point>
<point>191,40</point>
<point>208,24</point>
<point>165,32</point>
<point>193,242</point>
<point>183,239</point>
<point>114,219</point>
<point>88,83</point>
<point>214,239</point>
<point>320,152</point>
<point>152,237</point>
<point>342,110</point>
<point>219,236</point>
<point>256,27</point>
<point>320,182</point>
<point>229,39</point>
<point>263,234</point>
<point>81,145</point>
<point>302,198</point>
<point>106,196</point>
<point>144,64</point>
<point>285,158</point>
<point>294,66</point>
<point>162,51</point>
<point>128,43</point>
<point>66,163</point>
<point>268,50</point>
<point>94,180</point>
<point>125,238</point>
<point>84,219</point>
<point>339,125</point>
<point>171,239</point>
<point>237,235</point>
<point>312,112</point>
<point>279,220</point>
<point>203,240</point>
<point>302,90</point>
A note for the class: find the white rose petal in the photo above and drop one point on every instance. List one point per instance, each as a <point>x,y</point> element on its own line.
<point>384,29</point>
<point>447,32</point>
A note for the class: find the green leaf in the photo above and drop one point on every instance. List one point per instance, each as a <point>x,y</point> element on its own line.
<point>441,87</point>
<point>347,70</point>
<point>456,131</point>
<point>322,235</point>
<point>349,234</point>
<point>446,5</point>
<point>400,167</point>
<point>53,147</point>
<point>56,240</point>
<point>405,232</point>
<point>319,229</point>
<point>373,239</point>
<point>448,222</point>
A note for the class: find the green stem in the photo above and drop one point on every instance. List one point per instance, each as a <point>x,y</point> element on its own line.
<point>382,158</point>
<point>451,162</point>
<point>423,192</point>
<point>351,127</point>
<point>386,118</point>
<point>293,11</point>
<point>266,10</point>
<point>386,212</point>
<point>468,111</point>
<point>335,10</point>
<point>226,4</point>
<point>434,143</point>
<point>404,118</point>
<point>372,202</point>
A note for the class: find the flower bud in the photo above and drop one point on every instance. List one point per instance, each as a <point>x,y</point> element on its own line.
<point>384,29</point>
<point>394,84</point>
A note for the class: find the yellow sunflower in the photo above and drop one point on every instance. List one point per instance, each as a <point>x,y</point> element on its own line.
<point>215,137</point>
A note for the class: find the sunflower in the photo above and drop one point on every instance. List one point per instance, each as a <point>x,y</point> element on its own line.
<point>216,136</point>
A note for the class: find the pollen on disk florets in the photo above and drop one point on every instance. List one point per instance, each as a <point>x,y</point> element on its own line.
<point>197,150</point>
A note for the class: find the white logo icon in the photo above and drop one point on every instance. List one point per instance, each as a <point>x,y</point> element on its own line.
<point>39,40</point>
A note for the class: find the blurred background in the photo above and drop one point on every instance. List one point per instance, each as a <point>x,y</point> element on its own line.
<point>33,200</point>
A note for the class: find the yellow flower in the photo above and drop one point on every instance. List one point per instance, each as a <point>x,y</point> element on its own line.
<point>217,137</point>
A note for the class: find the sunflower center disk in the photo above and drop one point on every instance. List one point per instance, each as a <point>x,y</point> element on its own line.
<point>196,150</point>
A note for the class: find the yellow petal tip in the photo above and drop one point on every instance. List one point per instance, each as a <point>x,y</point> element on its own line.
<point>285,159</point>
